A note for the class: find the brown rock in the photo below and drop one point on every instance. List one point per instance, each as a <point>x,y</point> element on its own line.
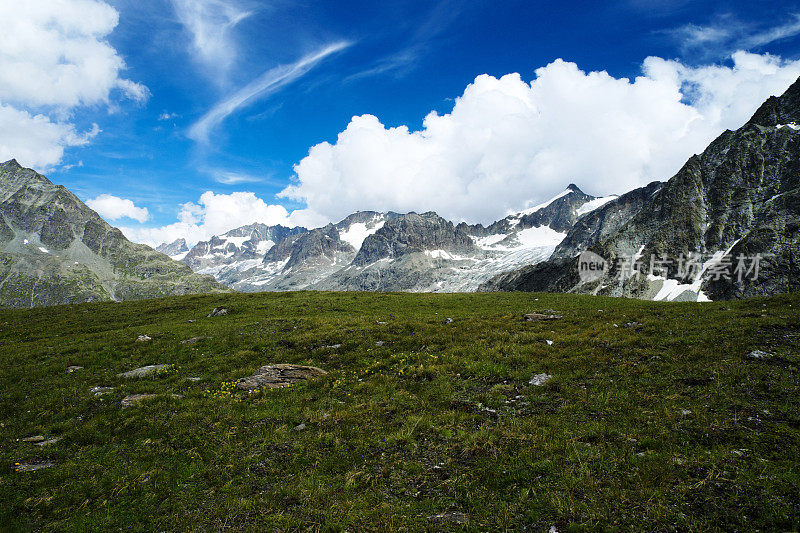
<point>279,376</point>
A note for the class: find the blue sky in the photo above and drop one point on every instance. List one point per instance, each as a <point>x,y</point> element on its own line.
<point>294,74</point>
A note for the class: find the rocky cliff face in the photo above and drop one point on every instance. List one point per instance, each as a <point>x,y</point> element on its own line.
<point>736,200</point>
<point>55,250</point>
<point>413,233</point>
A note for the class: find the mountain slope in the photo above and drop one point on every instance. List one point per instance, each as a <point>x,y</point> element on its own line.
<point>55,250</point>
<point>739,198</point>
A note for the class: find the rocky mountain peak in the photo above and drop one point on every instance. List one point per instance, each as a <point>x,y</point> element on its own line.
<point>779,110</point>
<point>414,232</point>
<point>174,248</point>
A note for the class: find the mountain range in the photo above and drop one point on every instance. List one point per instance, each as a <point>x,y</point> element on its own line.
<point>375,251</point>
<point>735,205</point>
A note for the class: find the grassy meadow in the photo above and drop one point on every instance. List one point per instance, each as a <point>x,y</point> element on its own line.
<point>653,419</point>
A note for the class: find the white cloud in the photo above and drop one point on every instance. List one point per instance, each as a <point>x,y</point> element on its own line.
<point>114,208</point>
<point>53,53</point>
<point>54,59</point>
<point>168,116</point>
<point>210,23</point>
<point>268,83</point>
<point>234,178</point>
<point>34,140</point>
<point>215,214</point>
<point>507,144</point>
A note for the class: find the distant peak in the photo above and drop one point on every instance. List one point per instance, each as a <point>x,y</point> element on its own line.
<point>574,188</point>
<point>12,163</point>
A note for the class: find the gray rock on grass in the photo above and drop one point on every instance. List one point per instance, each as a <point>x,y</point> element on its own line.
<point>540,379</point>
<point>279,376</point>
<point>143,371</point>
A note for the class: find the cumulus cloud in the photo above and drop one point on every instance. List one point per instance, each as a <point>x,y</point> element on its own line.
<point>54,59</point>
<point>34,140</point>
<point>53,53</point>
<point>214,214</point>
<point>114,208</point>
<point>508,144</point>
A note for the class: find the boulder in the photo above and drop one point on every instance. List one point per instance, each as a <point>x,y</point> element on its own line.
<point>279,376</point>
<point>143,371</point>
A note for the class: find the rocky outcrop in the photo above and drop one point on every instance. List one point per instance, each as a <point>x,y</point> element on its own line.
<point>55,250</point>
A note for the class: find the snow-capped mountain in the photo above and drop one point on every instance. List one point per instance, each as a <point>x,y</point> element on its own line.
<point>239,248</point>
<point>177,249</point>
<point>389,251</point>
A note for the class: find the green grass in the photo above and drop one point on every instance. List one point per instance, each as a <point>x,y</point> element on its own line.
<point>660,427</point>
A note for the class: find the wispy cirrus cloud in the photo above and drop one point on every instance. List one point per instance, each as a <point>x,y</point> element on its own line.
<point>227,177</point>
<point>265,85</point>
<point>728,33</point>
<point>210,23</point>
<point>401,62</point>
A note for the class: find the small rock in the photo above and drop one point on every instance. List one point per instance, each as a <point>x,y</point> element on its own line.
<point>534,317</point>
<point>379,344</point>
<point>191,341</point>
<point>633,325</point>
<point>74,368</point>
<point>279,376</point>
<point>540,379</point>
<point>133,399</point>
<point>759,355</point>
<point>685,412</point>
<point>451,517</point>
<point>143,371</point>
<point>381,323</point>
<point>218,311</point>
<point>101,391</point>
<point>30,467</point>
<point>35,438</point>
<point>300,427</point>
<point>333,346</point>
<point>143,338</point>
<point>549,343</point>
<point>194,379</point>
<point>448,320</point>
<point>48,442</point>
